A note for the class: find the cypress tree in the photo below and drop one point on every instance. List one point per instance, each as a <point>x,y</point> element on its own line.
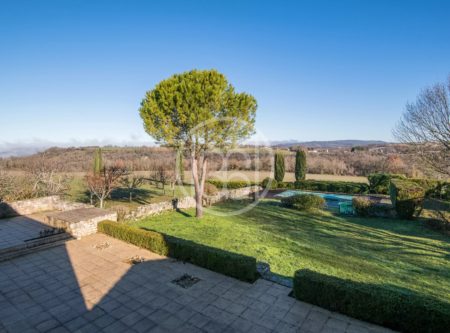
<point>279,167</point>
<point>300,165</point>
<point>98,161</point>
<point>179,166</point>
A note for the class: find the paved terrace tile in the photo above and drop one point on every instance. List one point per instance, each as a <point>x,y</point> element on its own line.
<point>87,286</point>
<point>15,231</point>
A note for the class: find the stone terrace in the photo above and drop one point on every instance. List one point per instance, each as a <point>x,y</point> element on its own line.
<point>87,285</point>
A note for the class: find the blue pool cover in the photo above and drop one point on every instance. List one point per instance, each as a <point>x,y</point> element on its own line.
<point>326,196</point>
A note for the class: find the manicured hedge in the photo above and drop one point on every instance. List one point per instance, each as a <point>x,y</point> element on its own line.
<point>400,310</point>
<point>406,197</point>
<point>232,264</point>
<point>303,202</point>
<point>230,185</point>
<point>379,182</point>
<point>332,186</point>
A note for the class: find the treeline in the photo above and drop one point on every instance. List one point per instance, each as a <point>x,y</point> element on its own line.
<point>359,162</point>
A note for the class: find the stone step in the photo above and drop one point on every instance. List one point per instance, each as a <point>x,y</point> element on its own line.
<point>34,245</point>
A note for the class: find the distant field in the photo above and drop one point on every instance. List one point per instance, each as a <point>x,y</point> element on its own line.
<point>289,177</point>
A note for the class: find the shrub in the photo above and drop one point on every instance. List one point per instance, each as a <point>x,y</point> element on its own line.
<point>279,167</point>
<point>406,196</point>
<point>434,188</point>
<point>379,182</point>
<point>332,186</point>
<point>400,310</point>
<point>365,207</point>
<point>230,185</point>
<point>361,205</point>
<point>269,182</point>
<point>300,165</point>
<point>441,225</point>
<point>232,264</point>
<point>303,202</point>
<point>210,189</point>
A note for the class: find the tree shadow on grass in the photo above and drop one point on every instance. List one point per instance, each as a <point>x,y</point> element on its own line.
<point>185,214</point>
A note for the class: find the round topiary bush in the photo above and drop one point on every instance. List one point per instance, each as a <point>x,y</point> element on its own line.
<point>269,182</point>
<point>303,202</point>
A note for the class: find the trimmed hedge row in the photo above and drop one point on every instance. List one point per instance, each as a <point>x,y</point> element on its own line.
<point>406,196</point>
<point>404,311</point>
<point>332,186</point>
<point>232,264</point>
<point>231,185</point>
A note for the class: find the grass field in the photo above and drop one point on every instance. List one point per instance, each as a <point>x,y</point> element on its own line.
<point>289,176</point>
<point>393,253</point>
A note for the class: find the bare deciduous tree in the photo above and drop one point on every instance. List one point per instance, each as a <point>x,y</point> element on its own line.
<point>426,125</point>
<point>101,184</point>
<point>131,182</point>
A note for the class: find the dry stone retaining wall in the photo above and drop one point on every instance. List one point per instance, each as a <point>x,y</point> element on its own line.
<point>188,202</point>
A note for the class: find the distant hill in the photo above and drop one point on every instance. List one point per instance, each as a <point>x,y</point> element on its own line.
<point>328,144</point>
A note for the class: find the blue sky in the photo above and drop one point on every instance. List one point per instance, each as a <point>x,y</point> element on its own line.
<point>75,71</point>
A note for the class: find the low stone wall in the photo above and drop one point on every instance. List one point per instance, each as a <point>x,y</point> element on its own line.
<point>80,222</point>
<point>188,202</point>
<point>37,205</point>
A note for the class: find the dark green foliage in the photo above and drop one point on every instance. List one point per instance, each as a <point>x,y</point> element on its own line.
<point>232,264</point>
<point>365,207</point>
<point>98,161</point>
<point>279,168</point>
<point>332,186</point>
<point>440,225</point>
<point>361,206</point>
<point>401,310</point>
<point>300,165</point>
<point>303,202</point>
<point>406,197</point>
<point>434,188</point>
<point>269,182</point>
<point>230,185</point>
<point>379,182</point>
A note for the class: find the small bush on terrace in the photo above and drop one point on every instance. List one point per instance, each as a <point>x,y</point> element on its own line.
<point>406,197</point>
<point>303,202</point>
<point>232,264</point>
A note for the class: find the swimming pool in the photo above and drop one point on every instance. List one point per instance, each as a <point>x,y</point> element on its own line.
<point>326,196</point>
<point>340,202</point>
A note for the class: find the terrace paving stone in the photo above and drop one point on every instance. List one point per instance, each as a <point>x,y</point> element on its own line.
<point>77,287</point>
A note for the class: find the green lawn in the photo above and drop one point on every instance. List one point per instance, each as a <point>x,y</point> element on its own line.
<point>394,253</point>
<point>145,194</point>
